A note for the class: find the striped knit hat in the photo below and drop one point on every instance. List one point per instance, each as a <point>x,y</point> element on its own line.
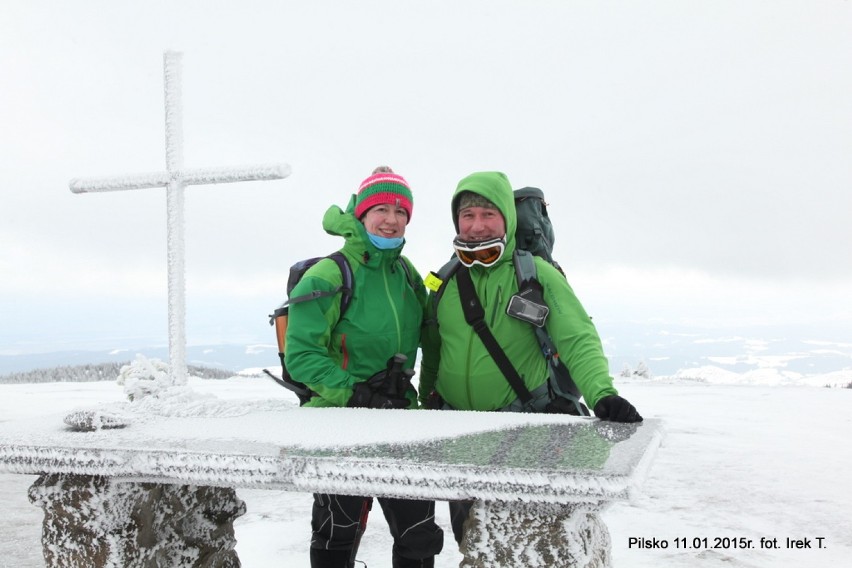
<point>384,188</point>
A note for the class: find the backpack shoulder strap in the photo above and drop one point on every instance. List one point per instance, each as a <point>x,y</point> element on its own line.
<point>436,283</point>
<point>526,274</point>
<point>348,279</point>
<point>345,287</point>
<point>474,314</point>
<point>525,270</point>
<point>406,267</point>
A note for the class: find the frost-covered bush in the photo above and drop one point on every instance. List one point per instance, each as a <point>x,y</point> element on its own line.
<point>144,377</point>
<point>642,371</point>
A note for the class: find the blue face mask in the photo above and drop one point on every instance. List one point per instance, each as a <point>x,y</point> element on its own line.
<point>385,243</point>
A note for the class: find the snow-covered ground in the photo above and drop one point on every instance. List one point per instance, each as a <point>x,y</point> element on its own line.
<point>742,470</point>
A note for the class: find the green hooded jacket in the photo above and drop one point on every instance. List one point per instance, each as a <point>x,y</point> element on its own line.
<point>456,363</point>
<point>329,354</point>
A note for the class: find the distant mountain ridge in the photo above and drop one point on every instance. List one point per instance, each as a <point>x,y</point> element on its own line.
<point>92,372</point>
<point>723,361</point>
<point>226,357</point>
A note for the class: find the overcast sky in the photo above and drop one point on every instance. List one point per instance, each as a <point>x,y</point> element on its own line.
<point>697,156</point>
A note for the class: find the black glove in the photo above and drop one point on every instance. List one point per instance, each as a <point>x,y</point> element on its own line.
<point>365,397</point>
<point>616,409</point>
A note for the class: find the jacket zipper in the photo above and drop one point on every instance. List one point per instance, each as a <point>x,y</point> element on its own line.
<point>394,310</point>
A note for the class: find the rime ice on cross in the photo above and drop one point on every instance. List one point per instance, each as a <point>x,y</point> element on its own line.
<point>174,179</point>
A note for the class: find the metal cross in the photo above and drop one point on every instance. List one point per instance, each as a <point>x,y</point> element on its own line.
<point>174,179</point>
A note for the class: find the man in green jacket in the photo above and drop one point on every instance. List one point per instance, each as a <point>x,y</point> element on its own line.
<point>458,368</point>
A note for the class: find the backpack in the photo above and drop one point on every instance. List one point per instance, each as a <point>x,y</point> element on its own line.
<point>534,236</point>
<point>534,232</point>
<point>279,317</point>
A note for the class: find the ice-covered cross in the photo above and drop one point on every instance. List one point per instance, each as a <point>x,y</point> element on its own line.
<point>174,179</point>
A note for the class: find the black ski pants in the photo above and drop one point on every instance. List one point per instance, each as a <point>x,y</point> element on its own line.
<point>459,512</point>
<point>334,521</point>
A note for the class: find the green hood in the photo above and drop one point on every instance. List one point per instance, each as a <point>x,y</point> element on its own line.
<point>344,224</point>
<point>495,187</point>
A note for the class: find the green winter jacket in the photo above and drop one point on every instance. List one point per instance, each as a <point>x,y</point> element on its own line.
<point>329,354</point>
<point>456,363</point>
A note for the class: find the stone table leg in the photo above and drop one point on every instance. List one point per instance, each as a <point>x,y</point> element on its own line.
<point>519,534</point>
<point>101,522</point>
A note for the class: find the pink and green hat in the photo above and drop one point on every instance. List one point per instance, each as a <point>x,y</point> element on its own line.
<point>384,188</point>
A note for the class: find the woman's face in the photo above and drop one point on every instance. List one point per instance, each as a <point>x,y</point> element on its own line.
<point>385,221</point>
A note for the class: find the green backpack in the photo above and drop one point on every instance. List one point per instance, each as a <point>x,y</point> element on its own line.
<point>535,231</point>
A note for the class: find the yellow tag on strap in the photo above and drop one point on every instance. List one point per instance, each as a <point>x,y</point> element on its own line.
<point>433,282</point>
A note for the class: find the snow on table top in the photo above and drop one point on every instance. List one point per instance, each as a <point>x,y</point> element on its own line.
<point>401,453</point>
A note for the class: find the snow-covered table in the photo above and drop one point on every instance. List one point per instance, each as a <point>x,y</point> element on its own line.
<point>538,481</point>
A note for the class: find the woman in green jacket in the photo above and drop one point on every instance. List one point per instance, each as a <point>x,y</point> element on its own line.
<point>335,356</point>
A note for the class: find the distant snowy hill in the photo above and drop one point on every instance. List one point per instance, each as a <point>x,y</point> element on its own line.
<point>759,377</point>
<point>758,355</point>
<point>229,357</point>
<point>728,361</point>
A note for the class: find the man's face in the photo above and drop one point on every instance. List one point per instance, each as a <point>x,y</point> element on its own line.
<point>480,224</point>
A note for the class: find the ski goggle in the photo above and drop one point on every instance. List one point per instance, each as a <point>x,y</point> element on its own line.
<point>483,253</point>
